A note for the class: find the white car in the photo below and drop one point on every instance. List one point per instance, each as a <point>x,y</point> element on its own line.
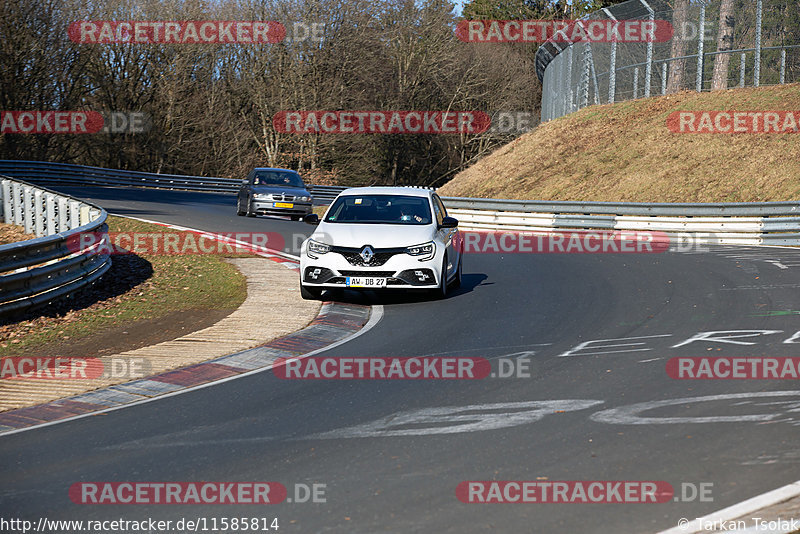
<point>382,238</point>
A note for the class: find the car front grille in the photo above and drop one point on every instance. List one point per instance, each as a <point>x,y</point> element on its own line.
<point>382,274</point>
<point>353,255</point>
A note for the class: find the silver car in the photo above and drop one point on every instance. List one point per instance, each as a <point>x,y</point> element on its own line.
<point>270,191</point>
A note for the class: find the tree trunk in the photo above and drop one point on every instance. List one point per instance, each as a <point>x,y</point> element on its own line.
<point>724,42</point>
<point>677,68</point>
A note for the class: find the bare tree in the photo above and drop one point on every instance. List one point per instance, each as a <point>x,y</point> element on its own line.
<point>677,68</point>
<point>719,80</point>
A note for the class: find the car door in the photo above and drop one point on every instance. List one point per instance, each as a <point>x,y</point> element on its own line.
<point>447,235</point>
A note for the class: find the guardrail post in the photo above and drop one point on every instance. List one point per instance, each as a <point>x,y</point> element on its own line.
<point>700,45</point>
<point>27,209</point>
<point>63,215</point>
<point>16,199</point>
<point>50,213</point>
<point>74,214</point>
<point>6,192</point>
<point>38,212</point>
<point>85,215</point>
<point>757,63</point>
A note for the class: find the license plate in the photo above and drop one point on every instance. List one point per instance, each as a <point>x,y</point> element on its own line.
<point>283,205</point>
<point>360,281</point>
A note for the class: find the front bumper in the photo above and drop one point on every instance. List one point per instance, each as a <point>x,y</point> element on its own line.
<point>267,207</point>
<point>401,271</point>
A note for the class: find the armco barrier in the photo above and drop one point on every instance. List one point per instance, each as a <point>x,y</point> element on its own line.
<point>750,223</point>
<point>40,270</point>
<point>66,173</point>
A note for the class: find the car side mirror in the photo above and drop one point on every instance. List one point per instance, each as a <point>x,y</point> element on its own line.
<point>449,222</point>
<point>311,218</point>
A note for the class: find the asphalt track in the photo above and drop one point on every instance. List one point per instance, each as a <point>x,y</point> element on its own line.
<point>399,473</point>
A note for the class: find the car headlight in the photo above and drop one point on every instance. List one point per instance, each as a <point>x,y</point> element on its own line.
<point>315,247</point>
<point>303,199</point>
<point>423,252</point>
<point>262,196</point>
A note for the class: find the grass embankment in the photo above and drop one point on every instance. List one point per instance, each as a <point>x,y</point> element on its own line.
<point>141,300</point>
<point>625,152</point>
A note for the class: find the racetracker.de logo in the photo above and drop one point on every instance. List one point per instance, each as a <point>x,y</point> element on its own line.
<point>579,242</point>
<point>733,368</point>
<point>173,243</point>
<point>382,368</point>
<point>564,31</point>
<point>734,122</point>
<point>381,122</point>
<point>177,492</point>
<point>564,491</point>
<point>176,32</point>
<point>39,122</point>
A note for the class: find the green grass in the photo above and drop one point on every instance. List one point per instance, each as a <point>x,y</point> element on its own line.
<point>127,294</point>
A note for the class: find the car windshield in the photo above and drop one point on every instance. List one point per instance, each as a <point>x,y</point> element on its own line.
<point>279,178</point>
<point>380,209</point>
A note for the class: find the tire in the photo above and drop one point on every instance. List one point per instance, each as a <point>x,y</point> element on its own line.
<point>239,210</point>
<point>249,211</point>
<point>456,283</point>
<point>310,293</point>
<point>441,291</point>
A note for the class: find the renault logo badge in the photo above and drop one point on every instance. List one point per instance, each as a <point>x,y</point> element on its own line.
<point>367,254</point>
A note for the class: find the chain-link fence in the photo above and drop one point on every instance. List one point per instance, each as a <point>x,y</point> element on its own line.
<point>758,43</point>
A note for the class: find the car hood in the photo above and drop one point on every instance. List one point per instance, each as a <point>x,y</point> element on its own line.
<point>278,190</point>
<point>375,235</point>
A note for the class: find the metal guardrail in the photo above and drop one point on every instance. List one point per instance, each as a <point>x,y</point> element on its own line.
<point>745,223</point>
<point>67,173</point>
<point>38,271</point>
<point>776,223</point>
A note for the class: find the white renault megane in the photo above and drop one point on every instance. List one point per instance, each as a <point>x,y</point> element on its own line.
<point>382,238</point>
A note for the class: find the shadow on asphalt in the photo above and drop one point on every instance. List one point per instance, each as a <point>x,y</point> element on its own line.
<point>368,298</point>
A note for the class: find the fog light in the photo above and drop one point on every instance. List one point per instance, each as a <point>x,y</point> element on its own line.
<point>315,273</point>
<point>422,276</point>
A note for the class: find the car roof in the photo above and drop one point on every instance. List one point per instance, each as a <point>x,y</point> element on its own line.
<point>407,191</point>
<point>273,169</point>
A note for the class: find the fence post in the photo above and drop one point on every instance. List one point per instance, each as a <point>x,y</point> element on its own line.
<point>569,79</point>
<point>636,83</point>
<point>664,78</point>
<point>648,72</point>
<point>612,68</point>
<point>700,44</point>
<point>757,65</point>
<point>783,65</point>
<point>742,66</point>
<point>586,72</point>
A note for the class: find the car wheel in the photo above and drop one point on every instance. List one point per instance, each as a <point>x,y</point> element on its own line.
<point>310,293</point>
<point>456,283</point>
<point>441,291</point>
<point>249,211</point>
<point>239,210</point>
<point>295,217</point>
